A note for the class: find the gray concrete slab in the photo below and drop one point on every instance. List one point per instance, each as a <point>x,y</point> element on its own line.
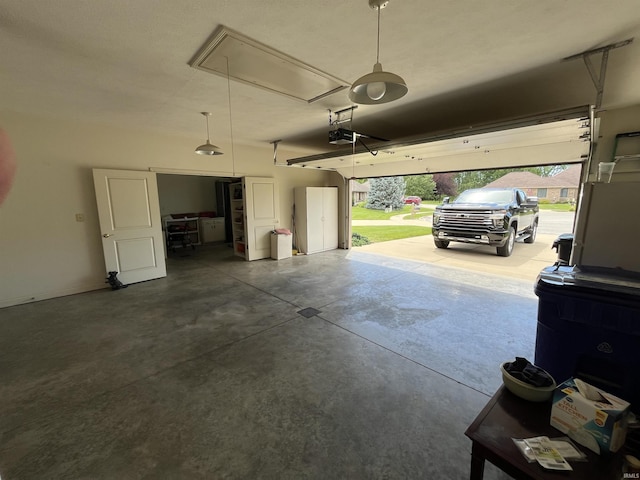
<point>211,372</point>
<point>526,261</point>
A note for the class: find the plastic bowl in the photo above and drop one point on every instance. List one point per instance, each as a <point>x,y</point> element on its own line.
<point>524,390</point>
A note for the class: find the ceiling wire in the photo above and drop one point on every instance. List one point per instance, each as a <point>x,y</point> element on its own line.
<point>233,157</point>
<point>372,152</point>
<point>378,47</point>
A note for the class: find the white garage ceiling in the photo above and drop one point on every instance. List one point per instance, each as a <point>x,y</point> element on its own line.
<point>126,63</point>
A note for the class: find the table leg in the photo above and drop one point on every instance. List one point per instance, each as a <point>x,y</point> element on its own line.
<point>477,463</point>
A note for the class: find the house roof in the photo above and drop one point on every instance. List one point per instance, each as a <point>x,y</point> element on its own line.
<point>569,178</point>
<point>519,180</point>
<point>360,187</point>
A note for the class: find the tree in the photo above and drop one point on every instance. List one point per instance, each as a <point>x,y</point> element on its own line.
<point>549,170</point>
<point>478,178</point>
<point>386,192</point>
<point>445,184</point>
<point>420,186</point>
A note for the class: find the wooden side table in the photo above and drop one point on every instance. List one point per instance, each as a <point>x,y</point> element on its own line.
<point>507,416</point>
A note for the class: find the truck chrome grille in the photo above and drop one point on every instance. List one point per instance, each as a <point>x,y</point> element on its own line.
<point>476,220</point>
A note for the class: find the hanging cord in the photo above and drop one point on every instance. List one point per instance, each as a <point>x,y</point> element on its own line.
<point>233,157</point>
<point>378,46</point>
<point>372,152</point>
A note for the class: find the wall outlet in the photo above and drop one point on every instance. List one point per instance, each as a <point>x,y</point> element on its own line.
<point>79,217</point>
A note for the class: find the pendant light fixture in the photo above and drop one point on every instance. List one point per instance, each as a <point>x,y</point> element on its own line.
<point>208,148</point>
<point>379,86</point>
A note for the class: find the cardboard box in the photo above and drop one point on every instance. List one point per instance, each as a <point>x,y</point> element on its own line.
<point>600,425</point>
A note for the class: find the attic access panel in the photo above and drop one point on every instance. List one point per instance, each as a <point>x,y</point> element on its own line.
<point>253,63</point>
<point>555,138</point>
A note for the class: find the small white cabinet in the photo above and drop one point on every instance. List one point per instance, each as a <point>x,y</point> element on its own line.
<point>212,229</point>
<point>316,218</point>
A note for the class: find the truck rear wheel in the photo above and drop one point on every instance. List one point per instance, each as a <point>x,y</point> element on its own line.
<point>440,243</point>
<point>507,249</point>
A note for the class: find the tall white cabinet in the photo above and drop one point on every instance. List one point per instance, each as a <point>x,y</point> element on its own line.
<point>316,217</point>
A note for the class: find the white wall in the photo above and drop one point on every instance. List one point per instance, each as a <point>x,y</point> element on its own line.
<point>44,251</point>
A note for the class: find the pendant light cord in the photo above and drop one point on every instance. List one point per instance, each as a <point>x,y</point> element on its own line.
<point>378,46</point>
<point>233,157</point>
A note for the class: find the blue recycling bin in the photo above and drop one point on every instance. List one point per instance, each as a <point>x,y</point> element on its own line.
<point>589,327</point>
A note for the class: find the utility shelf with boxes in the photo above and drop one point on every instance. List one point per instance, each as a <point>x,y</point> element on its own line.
<point>181,231</point>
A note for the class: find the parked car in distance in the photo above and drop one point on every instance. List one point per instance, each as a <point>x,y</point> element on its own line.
<point>412,200</point>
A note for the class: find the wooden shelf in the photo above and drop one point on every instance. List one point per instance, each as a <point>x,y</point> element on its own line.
<point>237,219</point>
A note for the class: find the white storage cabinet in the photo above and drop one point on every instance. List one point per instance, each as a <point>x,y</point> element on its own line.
<point>212,229</point>
<point>316,218</point>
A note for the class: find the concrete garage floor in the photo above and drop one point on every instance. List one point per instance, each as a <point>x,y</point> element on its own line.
<point>215,372</point>
<point>525,263</point>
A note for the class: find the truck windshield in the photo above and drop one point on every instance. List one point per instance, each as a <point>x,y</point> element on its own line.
<point>484,196</point>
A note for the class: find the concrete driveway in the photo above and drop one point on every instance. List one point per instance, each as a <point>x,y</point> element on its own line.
<point>525,263</point>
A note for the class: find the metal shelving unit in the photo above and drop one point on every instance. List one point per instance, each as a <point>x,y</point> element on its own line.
<point>182,232</point>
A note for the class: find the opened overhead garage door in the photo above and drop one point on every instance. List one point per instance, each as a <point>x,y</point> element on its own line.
<point>549,139</point>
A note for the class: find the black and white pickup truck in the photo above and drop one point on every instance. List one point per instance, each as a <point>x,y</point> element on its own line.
<point>487,216</point>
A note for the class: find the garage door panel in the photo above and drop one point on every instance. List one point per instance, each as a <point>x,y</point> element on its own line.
<point>556,139</point>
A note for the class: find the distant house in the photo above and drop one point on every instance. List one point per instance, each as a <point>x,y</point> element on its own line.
<point>560,188</point>
<point>359,191</point>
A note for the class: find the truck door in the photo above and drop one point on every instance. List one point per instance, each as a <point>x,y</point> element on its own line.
<point>526,212</point>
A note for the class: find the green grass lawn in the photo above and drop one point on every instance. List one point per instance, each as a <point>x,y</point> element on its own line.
<point>558,207</point>
<point>376,234</point>
<point>361,213</point>
<point>392,232</point>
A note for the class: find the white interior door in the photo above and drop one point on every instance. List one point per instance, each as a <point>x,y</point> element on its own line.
<point>262,215</point>
<point>130,228</point>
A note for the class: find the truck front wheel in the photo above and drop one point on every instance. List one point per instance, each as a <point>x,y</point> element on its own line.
<point>440,243</point>
<point>507,249</point>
